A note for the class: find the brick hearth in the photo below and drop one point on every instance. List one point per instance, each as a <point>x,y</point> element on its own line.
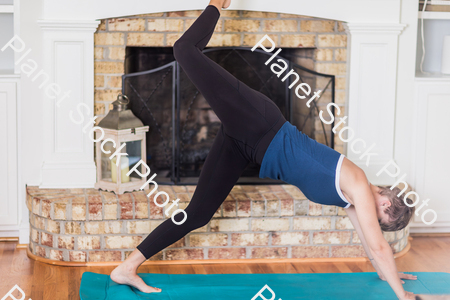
<point>271,221</point>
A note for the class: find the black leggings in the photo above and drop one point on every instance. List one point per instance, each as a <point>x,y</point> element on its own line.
<point>249,122</point>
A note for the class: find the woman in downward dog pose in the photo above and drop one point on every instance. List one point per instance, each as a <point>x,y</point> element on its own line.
<point>254,130</point>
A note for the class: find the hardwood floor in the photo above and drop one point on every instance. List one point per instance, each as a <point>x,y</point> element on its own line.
<point>42,281</point>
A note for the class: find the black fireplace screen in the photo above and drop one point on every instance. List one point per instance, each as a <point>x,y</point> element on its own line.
<point>182,124</point>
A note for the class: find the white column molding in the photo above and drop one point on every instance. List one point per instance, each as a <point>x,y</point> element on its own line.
<point>372,73</point>
<point>8,152</point>
<point>69,61</point>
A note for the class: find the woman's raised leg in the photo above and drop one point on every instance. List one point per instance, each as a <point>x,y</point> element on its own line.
<point>245,113</point>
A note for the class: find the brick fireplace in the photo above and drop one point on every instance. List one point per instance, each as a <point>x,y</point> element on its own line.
<point>255,221</point>
<point>326,41</point>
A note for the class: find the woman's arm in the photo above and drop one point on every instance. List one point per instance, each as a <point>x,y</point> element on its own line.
<point>351,212</point>
<point>361,196</point>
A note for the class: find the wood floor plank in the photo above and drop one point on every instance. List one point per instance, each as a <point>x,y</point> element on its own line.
<point>2,246</point>
<point>280,268</point>
<point>7,283</point>
<point>199,269</point>
<point>342,267</point>
<point>257,268</point>
<point>74,284</point>
<point>22,270</point>
<point>37,289</point>
<point>324,268</point>
<point>62,285</point>
<point>51,280</point>
<point>360,267</point>
<point>302,267</point>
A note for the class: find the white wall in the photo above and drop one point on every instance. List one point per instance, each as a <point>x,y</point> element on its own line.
<point>434,32</point>
<point>7,32</point>
<point>30,112</point>
<point>31,125</point>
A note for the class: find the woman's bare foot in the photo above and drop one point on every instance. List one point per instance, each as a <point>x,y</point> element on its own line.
<point>125,273</point>
<point>226,3</point>
<point>220,4</point>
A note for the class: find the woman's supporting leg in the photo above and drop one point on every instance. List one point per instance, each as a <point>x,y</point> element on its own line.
<point>222,168</point>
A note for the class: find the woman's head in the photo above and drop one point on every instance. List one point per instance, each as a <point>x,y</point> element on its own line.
<point>392,212</point>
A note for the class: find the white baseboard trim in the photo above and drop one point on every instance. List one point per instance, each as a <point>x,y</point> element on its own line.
<point>21,231</point>
<point>9,233</point>
<point>444,229</point>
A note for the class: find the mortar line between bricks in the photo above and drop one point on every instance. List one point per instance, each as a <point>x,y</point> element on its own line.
<point>75,243</point>
<point>69,210</point>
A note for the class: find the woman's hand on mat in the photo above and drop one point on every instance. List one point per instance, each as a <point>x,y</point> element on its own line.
<point>401,276</point>
<point>408,295</point>
<point>406,276</point>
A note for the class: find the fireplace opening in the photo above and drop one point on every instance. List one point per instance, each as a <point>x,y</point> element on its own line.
<point>183,125</point>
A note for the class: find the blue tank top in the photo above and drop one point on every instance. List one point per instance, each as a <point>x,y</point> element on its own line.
<point>314,168</point>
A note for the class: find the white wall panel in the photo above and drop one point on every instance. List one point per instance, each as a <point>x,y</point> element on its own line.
<point>69,60</point>
<point>8,154</point>
<point>431,159</point>
<point>72,81</point>
<point>372,73</point>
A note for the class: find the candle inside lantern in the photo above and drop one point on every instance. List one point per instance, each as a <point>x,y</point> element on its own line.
<point>124,168</point>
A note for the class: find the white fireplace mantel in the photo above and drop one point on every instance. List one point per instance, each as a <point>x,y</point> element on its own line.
<point>370,11</point>
<point>375,29</point>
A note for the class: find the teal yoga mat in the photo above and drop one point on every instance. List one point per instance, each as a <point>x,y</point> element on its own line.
<point>245,286</point>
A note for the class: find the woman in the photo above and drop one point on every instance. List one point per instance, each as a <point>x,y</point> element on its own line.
<point>254,130</point>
